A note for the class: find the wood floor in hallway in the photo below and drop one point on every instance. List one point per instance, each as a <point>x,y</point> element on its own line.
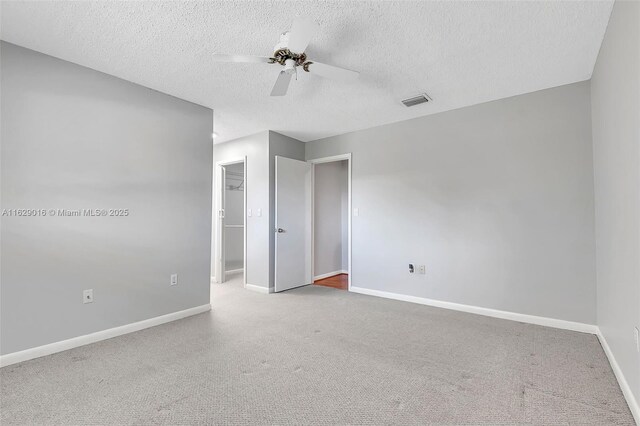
<point>340,281</point>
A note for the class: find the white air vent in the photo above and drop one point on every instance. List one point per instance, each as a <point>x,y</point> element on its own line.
<point>416,100</point>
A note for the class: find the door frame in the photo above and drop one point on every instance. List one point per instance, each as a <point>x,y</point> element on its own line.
<point>331,159</point>
<point>219,249</point>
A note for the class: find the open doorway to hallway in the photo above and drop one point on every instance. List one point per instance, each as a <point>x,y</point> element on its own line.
<point>298,258</point>
<point>331,224</point>
<point>234,218</point>
<point>230,198</point>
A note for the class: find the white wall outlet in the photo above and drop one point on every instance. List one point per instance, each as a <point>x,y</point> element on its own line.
<point>637,334</point>
<point>411,268</point>
<point>422,269</point>
<point>259,212</point>
<point>356,212</point>
<point>87,296</point>
<point>174,279</point>
<point>248,212</point>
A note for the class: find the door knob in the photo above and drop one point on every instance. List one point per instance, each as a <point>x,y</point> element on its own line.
<point>280,230</point>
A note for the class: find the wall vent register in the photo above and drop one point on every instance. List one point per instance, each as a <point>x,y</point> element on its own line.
<point>416,100</point>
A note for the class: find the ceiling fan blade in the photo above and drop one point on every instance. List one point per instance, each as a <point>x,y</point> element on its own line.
<point>335,73</point>
<point>240,58</point>
<point>282,84</point>
<point>300,34</point>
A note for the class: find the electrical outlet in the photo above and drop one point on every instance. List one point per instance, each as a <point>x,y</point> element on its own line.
<point>637,334</point>
<point>87,296</point>
<point>422,269</point>
<point>248,212</point>
<point>174,279</point>
<point>411,268</point>
<point>259,212</point>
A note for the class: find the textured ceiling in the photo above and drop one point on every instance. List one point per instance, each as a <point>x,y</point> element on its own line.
<point>461,53</point>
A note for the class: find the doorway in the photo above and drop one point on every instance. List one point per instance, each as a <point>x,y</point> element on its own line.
<point>231,223</point>
<point>330,224</point>
<point>296,263</point>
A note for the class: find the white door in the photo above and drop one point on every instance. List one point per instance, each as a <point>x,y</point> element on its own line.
<point>293,224</point>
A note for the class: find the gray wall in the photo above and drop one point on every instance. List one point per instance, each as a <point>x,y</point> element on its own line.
<point>74,138</point>
<point>256,149</point>
<point>330,217</point>
<point>615,103</point>
<point>495,199</point>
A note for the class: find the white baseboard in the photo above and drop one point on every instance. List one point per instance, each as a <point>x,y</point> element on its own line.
<point>624,385</point>
<point>258,288</point>
<point>531,319</point>
<point>329,274</point>
<point>75,342</point>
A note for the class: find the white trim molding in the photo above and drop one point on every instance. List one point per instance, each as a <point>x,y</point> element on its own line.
<point>259,288</point>
<point>622,381</point>
<point>330,274</point>
<point>331,159</point>
<point>74,342</point>
<point>530,319</point>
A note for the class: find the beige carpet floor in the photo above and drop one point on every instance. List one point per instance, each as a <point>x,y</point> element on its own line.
<point>317,355</point>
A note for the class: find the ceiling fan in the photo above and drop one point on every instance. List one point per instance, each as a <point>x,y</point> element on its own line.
<point>289,53</point>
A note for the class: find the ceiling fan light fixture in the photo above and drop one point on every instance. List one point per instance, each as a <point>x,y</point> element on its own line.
<point>289,66</point>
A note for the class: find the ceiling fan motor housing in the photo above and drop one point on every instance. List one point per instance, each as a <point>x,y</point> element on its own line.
<point>288,59</point>
<point>285,56</point>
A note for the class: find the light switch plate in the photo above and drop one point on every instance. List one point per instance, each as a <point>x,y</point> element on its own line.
<point>174,279</point>
<point>87,296</point>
